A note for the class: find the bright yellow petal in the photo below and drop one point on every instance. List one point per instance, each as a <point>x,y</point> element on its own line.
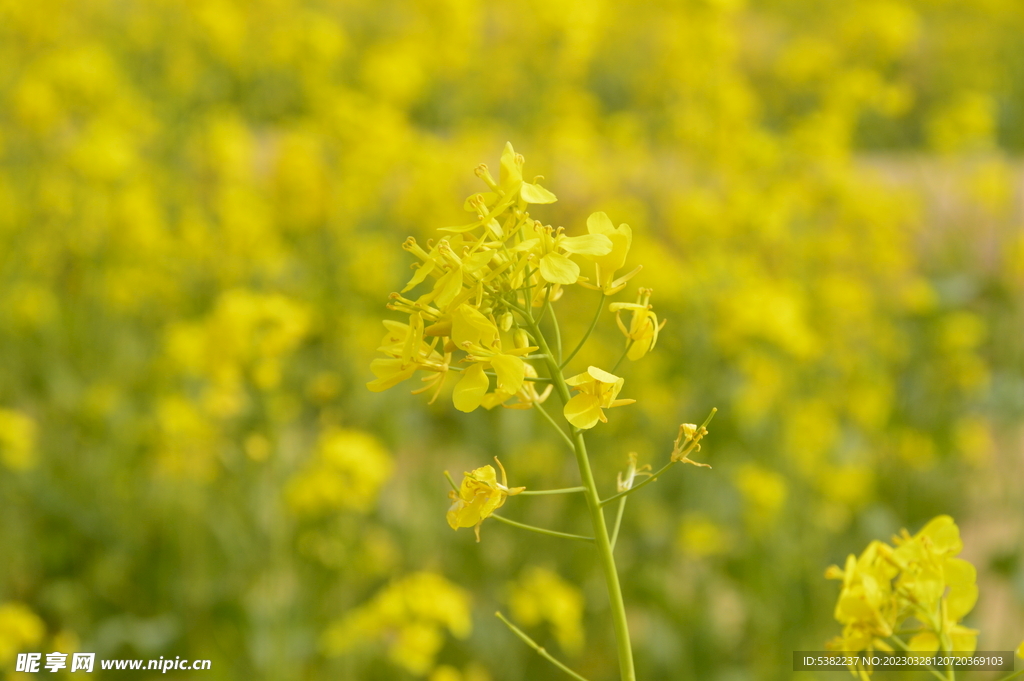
<point>389,372</point>
<point>511,175</point>
<point>534,193</point>
<point>470,325</point>
<point>924,642</point>
<point>511,371</point>
<point>963,639</point>
<point>601,375</point>
<point>961,600</point>
<point>944,533</point>
<point>558,269</point>
<point>583,411</point>
<point>470,389</point>
<point>600,223</point>
<point>587,244</point>
<point>621,238</point>
<point>447,287</point>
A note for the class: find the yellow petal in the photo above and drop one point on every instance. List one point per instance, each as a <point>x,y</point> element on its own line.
<point>492,400</point>
<point>601,375</point>
<point>587,244</point>
<point>534,193</point>
<point>583,411</point>
<point>470,389</point>
<point>447,287</point>
<point>558,269</point>
<point>621,238</point>
<point>1020,650</point>
<point>470,325</point>
<point>925,642</point>
<point>961,600</point>
<point>963,639</point>
<point>511,174</point>
<point>944,533</point>
<point>419,276</point>
<point>389,372</point>
<point>511,371</point>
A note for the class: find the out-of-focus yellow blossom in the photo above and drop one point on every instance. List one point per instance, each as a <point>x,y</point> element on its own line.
<point>346,471</point>
<point>479,495</point>
<point>764,491</point>
<point>701,537</point>
<point>410,615</point>
<point>920,580</point>
<point>540,595</point>
<point>20,631</point>
<point>472,672</point>
<point>17,440</point>
<point>598,390</point>
<point>642,334</point>
<point>1020,650</point>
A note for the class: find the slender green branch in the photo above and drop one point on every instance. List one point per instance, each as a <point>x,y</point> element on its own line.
<point>546,306</point>
<point>541,530</point>
<point>564,490</point>
<point>558,331</point>
<point>623,355</point>
<point>540,650</point>
<point>648,481</point>
<point>903,646</point>
<point>586,336</point>
<point>618,521</point>
<point>554,425</point>
<point>1013,675</point>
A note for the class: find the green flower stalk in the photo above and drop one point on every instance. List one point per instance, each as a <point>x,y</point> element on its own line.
<point>486,315</point>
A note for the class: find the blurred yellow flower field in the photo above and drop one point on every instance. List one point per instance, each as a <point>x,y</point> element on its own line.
<point>201,211</point>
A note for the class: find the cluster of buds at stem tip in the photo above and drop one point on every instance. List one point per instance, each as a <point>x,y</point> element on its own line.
<point>688,441</point>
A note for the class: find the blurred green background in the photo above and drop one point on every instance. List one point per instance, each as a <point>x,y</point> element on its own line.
<point>201,207</point>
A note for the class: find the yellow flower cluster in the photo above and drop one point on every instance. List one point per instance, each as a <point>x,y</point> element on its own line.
<point>481,278</point>
<point>411,615</point>
<point>918,580</point>
<point>17,439</point>
<point>346,471</point>
<point>539,596</point>
<point>20,630</point>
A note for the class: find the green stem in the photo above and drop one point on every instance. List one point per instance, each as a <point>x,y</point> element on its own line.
<point>558,332</point>
<point>603,544</point>
<point>623,355</point>
<point>541,530</point>
<point>1012,676</point>
<point>547,416</point>
<point>564,490</point>
<point>648,481</point>
<point>586,336</point>
<point>618,521</point>
<point>540,650</point>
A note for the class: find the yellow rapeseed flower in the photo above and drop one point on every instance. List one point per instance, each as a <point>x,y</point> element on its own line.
<point>642,334</point>
<point>478,497</point>
<point>606,265</point>
<point>597,392</point>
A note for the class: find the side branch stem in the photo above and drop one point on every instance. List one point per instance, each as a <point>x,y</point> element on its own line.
<point>540,649</point>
